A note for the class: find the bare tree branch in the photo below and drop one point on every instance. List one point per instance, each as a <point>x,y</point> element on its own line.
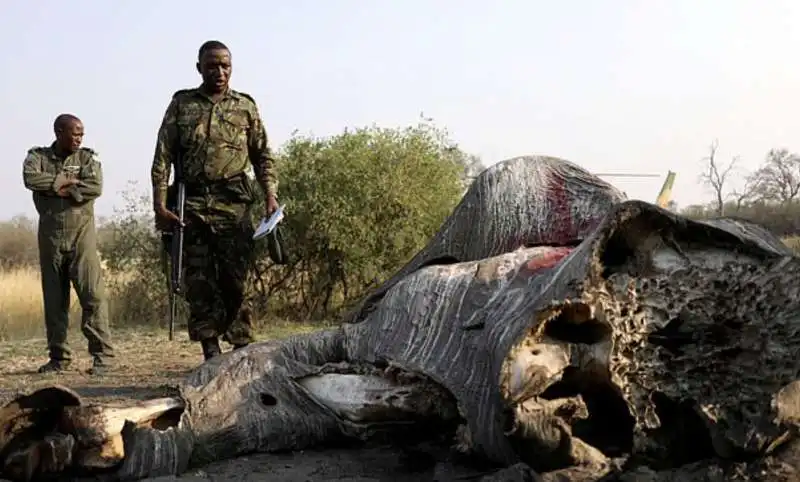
<point>747,193</point>
<point>715,176</point>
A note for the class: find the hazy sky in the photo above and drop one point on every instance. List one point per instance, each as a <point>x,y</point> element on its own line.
<point>614,85</point>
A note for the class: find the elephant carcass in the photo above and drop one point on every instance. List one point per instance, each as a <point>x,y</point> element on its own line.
<point>558,357</point>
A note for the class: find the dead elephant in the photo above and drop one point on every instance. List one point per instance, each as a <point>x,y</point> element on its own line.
<point>567,330</point>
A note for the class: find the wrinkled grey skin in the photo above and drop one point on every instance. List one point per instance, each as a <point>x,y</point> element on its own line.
<point>676,340</point>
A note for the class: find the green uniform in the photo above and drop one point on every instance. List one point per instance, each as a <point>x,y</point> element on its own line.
<point>68,246</point>
<point>215,144</point>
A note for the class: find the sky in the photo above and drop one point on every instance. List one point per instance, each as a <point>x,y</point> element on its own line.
<point>617,86</point>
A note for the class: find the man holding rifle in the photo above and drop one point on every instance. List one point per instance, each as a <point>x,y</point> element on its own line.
<point>211,134</point>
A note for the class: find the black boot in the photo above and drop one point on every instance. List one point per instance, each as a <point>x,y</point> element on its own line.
<point>99,366</point>
<point>54,366</point>
<point>210,348</point>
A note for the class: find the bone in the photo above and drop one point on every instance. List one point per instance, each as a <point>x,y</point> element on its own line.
<point>98,429</point>
<point>542,435</point>
<point>532,366</point>
<point>369,398</point>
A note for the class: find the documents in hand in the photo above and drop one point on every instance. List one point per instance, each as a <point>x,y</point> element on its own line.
<point>267,225</point>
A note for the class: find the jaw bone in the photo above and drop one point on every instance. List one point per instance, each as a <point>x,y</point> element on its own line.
<point>46,437</point>
<point>98,430</point>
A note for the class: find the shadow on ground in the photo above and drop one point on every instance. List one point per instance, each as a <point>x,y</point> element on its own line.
<point>355,464</point>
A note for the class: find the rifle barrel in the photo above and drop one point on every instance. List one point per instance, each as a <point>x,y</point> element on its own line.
<point>177,260</point>
<point>171,316</point>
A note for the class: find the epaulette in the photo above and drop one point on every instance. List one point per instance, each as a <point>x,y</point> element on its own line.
<point>245,95</point>
<point>183,92</point>
<point>38,150</point>
<point>89,151</point>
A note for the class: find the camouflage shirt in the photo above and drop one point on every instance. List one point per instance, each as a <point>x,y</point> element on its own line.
<point>215,142</point>
<point>44,172</point>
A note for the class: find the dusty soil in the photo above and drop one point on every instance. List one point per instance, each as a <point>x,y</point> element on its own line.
<point>148,365</point>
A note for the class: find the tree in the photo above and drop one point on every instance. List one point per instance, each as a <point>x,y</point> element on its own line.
<point>768,196</point>
<point>746,194</point>
<point>778,179</point>
<point>359,205</point>
<point>715,176</point>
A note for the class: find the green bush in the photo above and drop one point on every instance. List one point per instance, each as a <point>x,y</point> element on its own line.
<point>359,205</point>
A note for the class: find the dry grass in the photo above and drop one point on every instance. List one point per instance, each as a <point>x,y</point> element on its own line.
<point>21,305</point>
<point>793,242</point>
<point>21,310</point>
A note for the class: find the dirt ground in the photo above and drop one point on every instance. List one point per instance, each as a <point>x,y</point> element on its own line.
<point>148,365</point>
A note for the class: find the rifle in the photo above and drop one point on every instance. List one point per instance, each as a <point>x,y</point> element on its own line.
<point>176,250</point>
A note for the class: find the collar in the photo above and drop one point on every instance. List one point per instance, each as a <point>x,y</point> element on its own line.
<point>228,94</point>
<point>54,153</point>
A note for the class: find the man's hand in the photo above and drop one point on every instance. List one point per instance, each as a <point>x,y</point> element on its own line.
<point>63,191</point>
<point>165,219</point>
<point>271,205</point>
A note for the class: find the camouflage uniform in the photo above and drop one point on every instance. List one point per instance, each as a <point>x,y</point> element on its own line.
<point>215,143</point>
<point>68,247</point>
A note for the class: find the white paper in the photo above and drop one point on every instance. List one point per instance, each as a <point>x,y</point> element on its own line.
<point>267,225</point>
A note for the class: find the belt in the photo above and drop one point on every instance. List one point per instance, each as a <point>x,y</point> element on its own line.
<point>209,187</point>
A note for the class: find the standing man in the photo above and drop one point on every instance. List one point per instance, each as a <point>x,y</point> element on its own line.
<point>215,133</point>
<point>66,179</point>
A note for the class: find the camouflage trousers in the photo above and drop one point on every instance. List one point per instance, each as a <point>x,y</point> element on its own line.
<point>217,263</point>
